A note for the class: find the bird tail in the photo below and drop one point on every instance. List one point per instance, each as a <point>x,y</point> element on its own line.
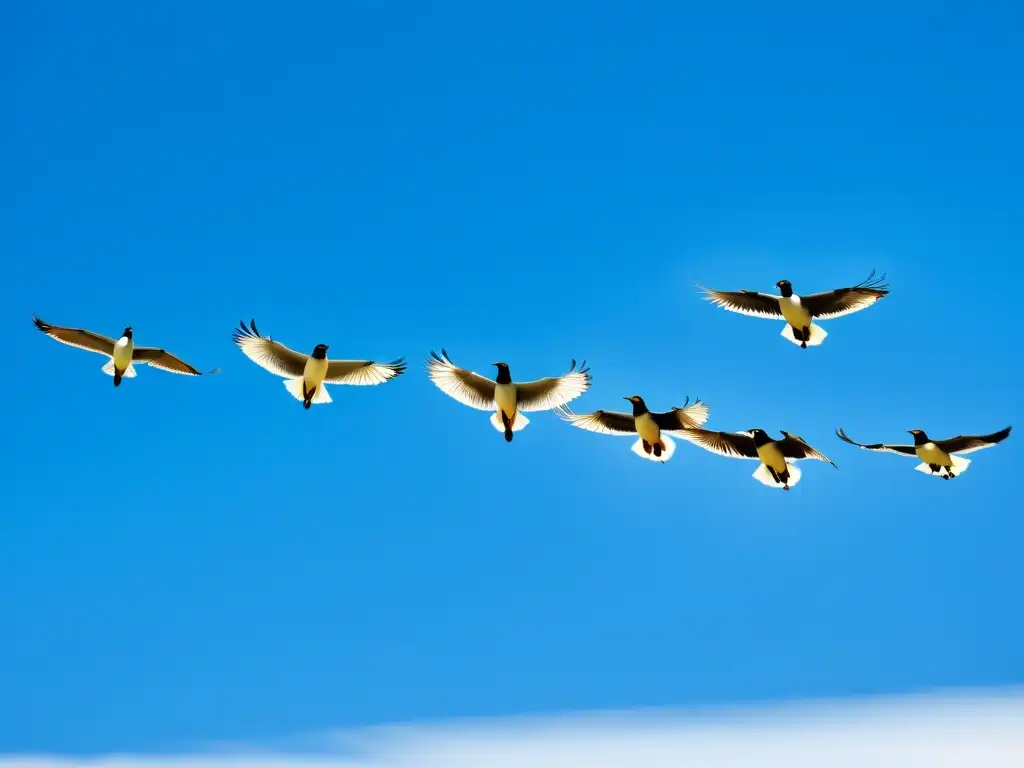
<point>666,453</point>
<point>762,475</point>
<point>294,387</point>
<point>129,372</point>
<point>960,465</point>
<point>818,335</point>
<point>520,423</point>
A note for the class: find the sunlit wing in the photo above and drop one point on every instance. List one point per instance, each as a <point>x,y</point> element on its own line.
<point>268,354</point>
<point>77,337</point>
<point>467,387</point>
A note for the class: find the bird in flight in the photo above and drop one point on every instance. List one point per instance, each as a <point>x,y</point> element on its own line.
<point>305,376</point>
<point>799,312</point>
<point>937,456</point>
<point>776,469</point>
<point>652,428</point>
<point>507,400</point>
<point>123,353</point>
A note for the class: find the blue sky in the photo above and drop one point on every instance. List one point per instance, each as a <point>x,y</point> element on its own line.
<point>189,560</point>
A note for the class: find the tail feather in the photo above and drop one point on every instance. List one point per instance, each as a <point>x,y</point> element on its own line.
<point>666,454</point>
<point>762,475</point>
<point>294,387</point>
<point>960,465</point>
<point>129,372</point>
<point>818,335</point>
<point>520,422</point>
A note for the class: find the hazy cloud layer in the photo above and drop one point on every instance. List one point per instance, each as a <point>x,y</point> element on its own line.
<point>980,730</point>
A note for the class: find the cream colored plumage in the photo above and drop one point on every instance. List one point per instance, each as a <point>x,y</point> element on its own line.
<point>506,399</point>
<point>306,376</point>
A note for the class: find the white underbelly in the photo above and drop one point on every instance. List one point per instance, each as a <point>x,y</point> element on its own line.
<point>794,312</point>
<point>123,353</point>
<point>314,372</point>
<point>505,398</point>
<point>930,453</point>
<point>646,427</point>
<point>771,456</point>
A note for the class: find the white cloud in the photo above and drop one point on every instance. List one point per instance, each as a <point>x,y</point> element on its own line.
<point>980,730</point>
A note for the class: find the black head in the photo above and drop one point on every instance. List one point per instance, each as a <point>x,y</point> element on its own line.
<point>127,332</point>
<point>639,406</point>
<point>786,287</point>
<point>320,351</point>
<point>919,436</point>
<point>504,374</point>
<point>760,437</point>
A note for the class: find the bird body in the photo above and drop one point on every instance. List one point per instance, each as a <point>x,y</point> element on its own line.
<point>799,312</point>
<point>306,376</point>
<point>775,457</point>
<point>938,457</point>
<point>652,429</point>
<point>504,398</point>
<point>122,354</point>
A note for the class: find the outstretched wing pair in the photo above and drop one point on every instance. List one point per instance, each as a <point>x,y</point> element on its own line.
<point>275,357</point>
<point>824,305</point>
<point>95,342</point>
<point>616,423</point>
<point>740,445</point>
<point>958,444</point>
<point>477,391</point>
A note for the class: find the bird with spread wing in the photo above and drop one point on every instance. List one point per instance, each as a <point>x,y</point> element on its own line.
<point>506,399</point>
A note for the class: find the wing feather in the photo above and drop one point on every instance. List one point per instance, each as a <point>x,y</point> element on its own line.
<point>901,450</point>
<point>683,417</point>
<point>268,354</point>
<point>751,303</point>
<point>732,445</point>
<point>794,447</point>
<point>545,394</point>
<point>363,372</point>
<point>601,422</point>
<point>77,337</point>
<point>846,301</point>
<point>971,443</point>
<point>467,387</point>
<point>165,361</point>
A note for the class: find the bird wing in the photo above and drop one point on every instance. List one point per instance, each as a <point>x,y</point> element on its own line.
<point>601,422</point>
<point>733,445</point>
<point>845,301</point>
<point>363,372</point>
<point>77,337</point>
<point>165,361</point>
<point>902,450</point>
<point>268,354</point>
<point>745,302</point>
<point>544,394</point>
<point>684,417</point>
<point>971,443</point>
<point>794,447</point>
<point>467,387</point>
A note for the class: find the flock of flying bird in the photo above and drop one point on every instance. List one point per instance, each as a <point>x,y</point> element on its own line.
<point>306,377</point>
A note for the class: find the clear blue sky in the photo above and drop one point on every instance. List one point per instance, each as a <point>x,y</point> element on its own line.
<point>199,559</point>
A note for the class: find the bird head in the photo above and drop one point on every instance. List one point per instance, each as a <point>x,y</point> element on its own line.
<point>127,332</point>
<point>786,287</point>
<point>320,351</point>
